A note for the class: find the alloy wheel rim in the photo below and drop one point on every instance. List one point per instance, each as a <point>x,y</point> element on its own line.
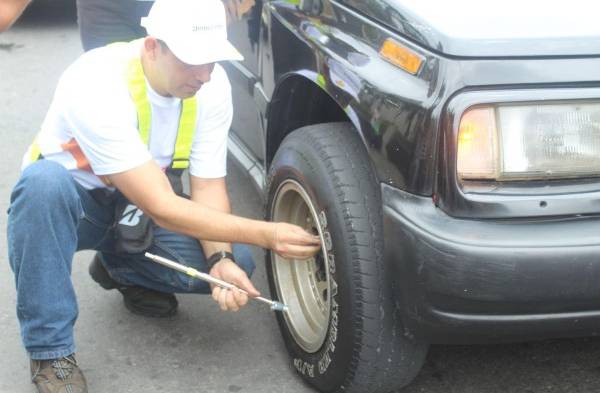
<point>303,285</point>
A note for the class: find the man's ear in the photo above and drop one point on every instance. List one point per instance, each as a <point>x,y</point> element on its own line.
<point>151,46</point>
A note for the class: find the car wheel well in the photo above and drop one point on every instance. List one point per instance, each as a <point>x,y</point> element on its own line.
<point>298,102</point>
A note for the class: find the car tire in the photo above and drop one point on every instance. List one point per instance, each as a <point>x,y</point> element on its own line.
<point>343,331</point>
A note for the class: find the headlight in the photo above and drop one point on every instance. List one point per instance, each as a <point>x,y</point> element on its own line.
<point>530,141</point>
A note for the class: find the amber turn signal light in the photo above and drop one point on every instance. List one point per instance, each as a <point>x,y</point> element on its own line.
<point>401,56</point>
<point>477,146</point>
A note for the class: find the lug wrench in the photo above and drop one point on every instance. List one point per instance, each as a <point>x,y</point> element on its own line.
<point>190,271</point>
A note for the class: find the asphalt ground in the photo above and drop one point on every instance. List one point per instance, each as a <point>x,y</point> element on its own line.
<point>202,349</point>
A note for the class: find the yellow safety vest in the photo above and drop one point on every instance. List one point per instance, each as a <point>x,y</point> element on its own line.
<point>137,89</point>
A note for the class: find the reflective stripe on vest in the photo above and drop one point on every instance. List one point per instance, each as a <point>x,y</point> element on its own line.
<point>34,151</point>
<point>137,89</point>
<point>187,119</point>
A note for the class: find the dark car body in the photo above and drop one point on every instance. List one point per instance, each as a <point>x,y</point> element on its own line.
<point>474,261</point>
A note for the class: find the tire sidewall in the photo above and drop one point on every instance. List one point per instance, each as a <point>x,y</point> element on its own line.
<point>327,368</point>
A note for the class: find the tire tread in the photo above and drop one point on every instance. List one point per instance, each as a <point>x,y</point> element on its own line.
<point>376,365</point>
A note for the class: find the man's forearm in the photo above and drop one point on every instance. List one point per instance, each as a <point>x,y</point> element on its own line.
<point>202,222</point>
<point>213,194</point>
<point>148,188</point>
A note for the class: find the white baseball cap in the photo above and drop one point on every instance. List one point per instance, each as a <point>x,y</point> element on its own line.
<point>194,30</point>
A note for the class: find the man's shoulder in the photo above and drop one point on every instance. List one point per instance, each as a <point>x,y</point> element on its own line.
<point>219,75</point>
<point>100,66</point>
<point>218,87</point>
<point>97,75</point>
<point>219,82</point>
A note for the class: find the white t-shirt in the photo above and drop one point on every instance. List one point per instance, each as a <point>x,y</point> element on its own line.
<point>91,126</point>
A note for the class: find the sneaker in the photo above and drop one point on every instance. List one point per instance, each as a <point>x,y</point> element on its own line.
<point>139,300</point>
<point>58,376</point>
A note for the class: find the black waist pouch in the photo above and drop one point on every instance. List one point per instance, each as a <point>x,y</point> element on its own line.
<point>133,229</point>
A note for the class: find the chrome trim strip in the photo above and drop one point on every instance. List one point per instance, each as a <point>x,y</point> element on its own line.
<point>244,158</point>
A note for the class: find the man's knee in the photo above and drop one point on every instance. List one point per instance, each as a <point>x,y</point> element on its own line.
<point>243,258</point>
<point>42,182</point>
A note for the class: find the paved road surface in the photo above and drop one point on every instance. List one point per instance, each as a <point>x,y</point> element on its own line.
<point>202,349</point>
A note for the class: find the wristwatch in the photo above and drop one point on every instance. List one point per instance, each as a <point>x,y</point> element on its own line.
<point>218,256</point>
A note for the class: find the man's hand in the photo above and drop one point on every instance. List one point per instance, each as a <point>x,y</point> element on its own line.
<point>291,241</point>
<point>231,299</point>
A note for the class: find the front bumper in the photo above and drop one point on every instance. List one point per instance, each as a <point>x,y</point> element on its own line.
<point>469,281</point>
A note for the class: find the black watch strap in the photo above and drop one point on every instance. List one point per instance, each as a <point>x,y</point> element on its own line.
<point>217,256</point>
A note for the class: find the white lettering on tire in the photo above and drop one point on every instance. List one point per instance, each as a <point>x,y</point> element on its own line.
<point>306,368</point>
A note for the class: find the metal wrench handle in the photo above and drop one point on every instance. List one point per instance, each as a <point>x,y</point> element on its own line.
<point>190,271</point>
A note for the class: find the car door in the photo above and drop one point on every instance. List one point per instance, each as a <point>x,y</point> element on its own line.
<point>243,31</point>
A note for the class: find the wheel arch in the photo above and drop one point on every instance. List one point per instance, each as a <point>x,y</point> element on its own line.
<point>302,99</point>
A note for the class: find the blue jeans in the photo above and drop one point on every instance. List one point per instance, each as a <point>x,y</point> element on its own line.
<point>50,218</point>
